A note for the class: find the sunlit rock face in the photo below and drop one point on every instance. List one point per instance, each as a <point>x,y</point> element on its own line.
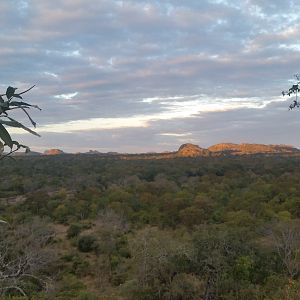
<point>53,152</point>
<point>240,149</point>
<point>191,150</point>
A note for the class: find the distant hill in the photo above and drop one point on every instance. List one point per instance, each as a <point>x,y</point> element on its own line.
<point>224,149</point>
<point>30,153</point>
<point>243,149</point>
<point>190,150</point>
<point>54,152</point>
<point>95,152</point>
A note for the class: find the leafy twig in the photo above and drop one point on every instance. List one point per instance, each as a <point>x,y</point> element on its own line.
<point>6,106</point>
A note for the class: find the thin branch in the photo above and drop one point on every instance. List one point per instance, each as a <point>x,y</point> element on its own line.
<point>15,288</point>
<point>8,154</point>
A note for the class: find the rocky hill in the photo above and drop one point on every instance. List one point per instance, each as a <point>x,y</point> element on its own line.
<point>243,149</point>
<point>191,150</point>
<point>224,149</point>
<point>53,152</point>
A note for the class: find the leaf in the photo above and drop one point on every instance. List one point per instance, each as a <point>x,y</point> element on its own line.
<point>16,144</point>
<point>32,122</point>
<point>27,149</point>
<point>19,103</point>
<point>1,148</point>
<point>14,123</point>
<point>10,92</point>
<point>4,104</point>
<point>5,137</point>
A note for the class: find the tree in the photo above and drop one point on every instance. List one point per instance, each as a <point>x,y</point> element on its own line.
<point>159,263</point>
<point>286,240</point>
<point>25,256</point>
<point>7,104</point>
<point>293,90</point>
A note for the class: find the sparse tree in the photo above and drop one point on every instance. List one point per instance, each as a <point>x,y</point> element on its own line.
<point>286,241</point>
<point>24,257</point>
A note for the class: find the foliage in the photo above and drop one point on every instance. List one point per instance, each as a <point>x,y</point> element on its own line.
<point>24,257</point>
<point>7,104</point>
<point>293,90</point>
<point>87,243</point>
<point>198,228</point>
<point>74,230</point>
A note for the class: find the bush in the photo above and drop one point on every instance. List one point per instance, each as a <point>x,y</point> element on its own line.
<point>87,243</point>
<point>85,295</point>
<point>74,230</point>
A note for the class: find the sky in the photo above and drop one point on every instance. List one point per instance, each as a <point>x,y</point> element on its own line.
<point>147,76</point>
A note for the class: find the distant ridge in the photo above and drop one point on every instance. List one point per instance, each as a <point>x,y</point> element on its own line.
<point>30,153</point>
<point>223,149</point>
<point>189,150</point>
<point>243,149</point>
<point>95,152</point>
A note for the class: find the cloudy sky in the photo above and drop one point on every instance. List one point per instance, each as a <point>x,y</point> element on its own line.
<point>139,76</point>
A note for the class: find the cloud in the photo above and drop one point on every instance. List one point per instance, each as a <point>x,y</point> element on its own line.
<point>268,125</point>
<point>101,65</point>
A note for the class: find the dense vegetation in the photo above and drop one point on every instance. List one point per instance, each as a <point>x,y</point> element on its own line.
<point>86,227</point>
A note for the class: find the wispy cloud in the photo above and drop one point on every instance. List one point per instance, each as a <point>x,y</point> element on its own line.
<point>66,96</point>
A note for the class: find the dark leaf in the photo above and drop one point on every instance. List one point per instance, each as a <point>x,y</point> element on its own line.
<point>19,103</point>
<point>10,92</point>
<point>14,123</point>
<point>1,148</point>
<point>32,122</point>
<point>5,137</point>
<point>4,104</point>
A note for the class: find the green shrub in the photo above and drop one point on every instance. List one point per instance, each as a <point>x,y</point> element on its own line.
<point>74,230</point>
<point>87,243</point>
<point>84,295</point>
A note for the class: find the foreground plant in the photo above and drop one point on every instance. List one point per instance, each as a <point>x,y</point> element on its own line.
<point>8,103</point>
<point>293,90</point>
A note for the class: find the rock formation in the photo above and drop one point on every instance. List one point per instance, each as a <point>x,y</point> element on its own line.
<point>191,150</point>
<point>242,149</point>
<point>53,152</point>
